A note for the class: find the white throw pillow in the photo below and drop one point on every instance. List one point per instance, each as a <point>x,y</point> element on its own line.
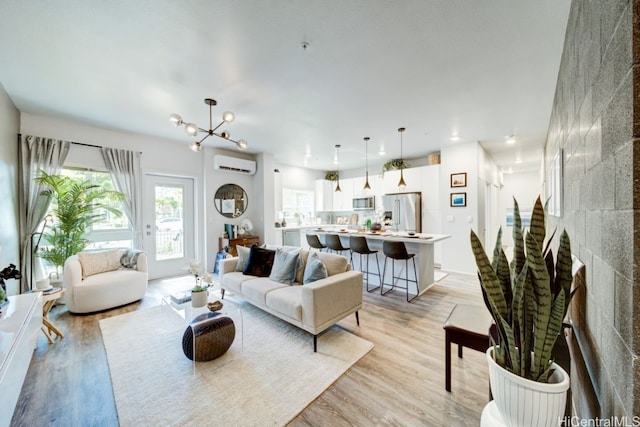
<point>243,257</point>
<point>99,262</point>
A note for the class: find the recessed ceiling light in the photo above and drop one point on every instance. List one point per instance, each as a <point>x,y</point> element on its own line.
<point>510,139</point>
<point>454,137</point>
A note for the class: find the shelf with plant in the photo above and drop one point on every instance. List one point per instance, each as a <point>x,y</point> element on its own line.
<point>394,164</point>
<point>332,176</point>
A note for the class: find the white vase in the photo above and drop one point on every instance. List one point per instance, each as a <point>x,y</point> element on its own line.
<point>523,402</point>
<point>199,299</point>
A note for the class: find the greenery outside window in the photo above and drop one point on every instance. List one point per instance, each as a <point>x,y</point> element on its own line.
<point>113,231</point>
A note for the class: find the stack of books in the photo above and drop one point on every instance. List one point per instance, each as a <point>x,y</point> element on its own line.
<point>181,297</point>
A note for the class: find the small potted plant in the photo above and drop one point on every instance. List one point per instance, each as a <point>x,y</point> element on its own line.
<point>9,272</point>
<point>528,301</point>
<point>394,164</point>
<point>332,176</point>
<point>200,292</point>
<point>199,295</point>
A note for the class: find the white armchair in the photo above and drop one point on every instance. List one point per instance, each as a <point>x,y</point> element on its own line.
<point>99,283</point>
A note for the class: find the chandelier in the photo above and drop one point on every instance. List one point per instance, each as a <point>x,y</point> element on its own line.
<point>193,129</point>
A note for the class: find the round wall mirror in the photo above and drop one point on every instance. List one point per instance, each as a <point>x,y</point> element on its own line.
<point>231,200</point>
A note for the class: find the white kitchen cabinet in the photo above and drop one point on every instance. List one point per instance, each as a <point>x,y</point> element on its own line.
<point>342,199</point>
<point>411,177</point>
<point>324,195</point>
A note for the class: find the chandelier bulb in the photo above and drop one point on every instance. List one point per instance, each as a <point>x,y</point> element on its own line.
<point>175,119</point>
<point>195,146</point>
<point>225,134</point>
<point>242,144</point>
<point>228,116</point>
<point>191,129</point>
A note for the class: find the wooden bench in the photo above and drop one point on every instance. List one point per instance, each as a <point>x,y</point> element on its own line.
<point>468,326</point>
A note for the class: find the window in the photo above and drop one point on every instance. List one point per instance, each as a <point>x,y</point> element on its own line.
<point>297,205</point>
<point>113,231</point>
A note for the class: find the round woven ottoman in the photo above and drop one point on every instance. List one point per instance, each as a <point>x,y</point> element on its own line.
<point>214,334</point>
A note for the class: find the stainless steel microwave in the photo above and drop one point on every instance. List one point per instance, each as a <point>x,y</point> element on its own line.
<point>364,203</point>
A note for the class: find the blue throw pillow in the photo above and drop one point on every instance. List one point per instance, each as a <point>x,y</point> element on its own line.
<point>314,270</point>
<point>284,266</point>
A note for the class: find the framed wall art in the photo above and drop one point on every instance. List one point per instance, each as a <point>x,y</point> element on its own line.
<point>458,200</point>
<point>459,179</point>
<point>555,185</point>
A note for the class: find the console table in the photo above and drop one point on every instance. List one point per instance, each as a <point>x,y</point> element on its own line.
<point>19,327</point>
<point>245,240</point>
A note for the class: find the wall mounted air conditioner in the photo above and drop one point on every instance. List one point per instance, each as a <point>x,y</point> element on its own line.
<point>234,164</point>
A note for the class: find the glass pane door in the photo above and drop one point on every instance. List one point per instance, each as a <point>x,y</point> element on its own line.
<point>169,227</point>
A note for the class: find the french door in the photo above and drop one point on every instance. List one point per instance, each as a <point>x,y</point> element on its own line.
<point>169,224</point>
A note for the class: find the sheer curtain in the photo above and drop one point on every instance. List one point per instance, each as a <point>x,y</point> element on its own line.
<point>36,154</point>
<point>124,166</point>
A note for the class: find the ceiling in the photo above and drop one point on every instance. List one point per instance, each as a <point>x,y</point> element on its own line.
<point>481,69</point>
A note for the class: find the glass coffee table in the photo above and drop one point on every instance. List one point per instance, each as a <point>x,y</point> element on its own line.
<point>209,334</point>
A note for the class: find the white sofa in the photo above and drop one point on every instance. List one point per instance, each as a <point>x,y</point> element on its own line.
<point>314,306</point>
<point>113,287</point>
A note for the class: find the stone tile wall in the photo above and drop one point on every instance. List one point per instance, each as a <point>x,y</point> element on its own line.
<point>596,122</point>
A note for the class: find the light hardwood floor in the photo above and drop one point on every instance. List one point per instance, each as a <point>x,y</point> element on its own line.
<point>399,383</point>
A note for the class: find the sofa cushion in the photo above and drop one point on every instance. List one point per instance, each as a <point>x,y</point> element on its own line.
<point>257,289</point>
<point>287,300</point>
<point>335,263</point>
<point>233,281</point>
<point>284,266</point>
<point>99,262</point>
<point>243,257</point>
<point>314,270</point>
<point>260,262</point>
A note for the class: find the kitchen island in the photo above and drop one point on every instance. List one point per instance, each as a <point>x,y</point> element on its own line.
<point>420,244</point>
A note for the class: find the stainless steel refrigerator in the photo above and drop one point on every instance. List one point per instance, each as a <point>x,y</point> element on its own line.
<point>404,211</point>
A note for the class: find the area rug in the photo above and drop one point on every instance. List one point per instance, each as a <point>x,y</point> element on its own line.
<point>266,382</point>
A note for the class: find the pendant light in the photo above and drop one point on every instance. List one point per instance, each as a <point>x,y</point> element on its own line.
<point>401,183</point>
<point>366,160</point>
<point>338,189</point>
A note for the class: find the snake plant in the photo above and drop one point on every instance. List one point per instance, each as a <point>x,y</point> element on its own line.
<point>528,299</point>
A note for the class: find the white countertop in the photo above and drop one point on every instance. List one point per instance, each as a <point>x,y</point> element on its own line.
<point>310,227</point>
<point>423,238</point>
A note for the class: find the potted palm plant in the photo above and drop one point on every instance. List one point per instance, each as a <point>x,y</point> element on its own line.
<point>528,300</point>
<point>75,206</point>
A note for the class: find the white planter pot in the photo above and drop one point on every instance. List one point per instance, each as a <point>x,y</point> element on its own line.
<point>523,402</point>
<point>199,299</point>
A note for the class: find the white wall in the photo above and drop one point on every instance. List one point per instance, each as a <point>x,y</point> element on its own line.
<point>458,221</point>
<point>9,208</point>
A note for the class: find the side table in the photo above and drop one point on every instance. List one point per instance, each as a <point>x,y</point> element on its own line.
<point>47,327</point>
<point>195,318</point>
